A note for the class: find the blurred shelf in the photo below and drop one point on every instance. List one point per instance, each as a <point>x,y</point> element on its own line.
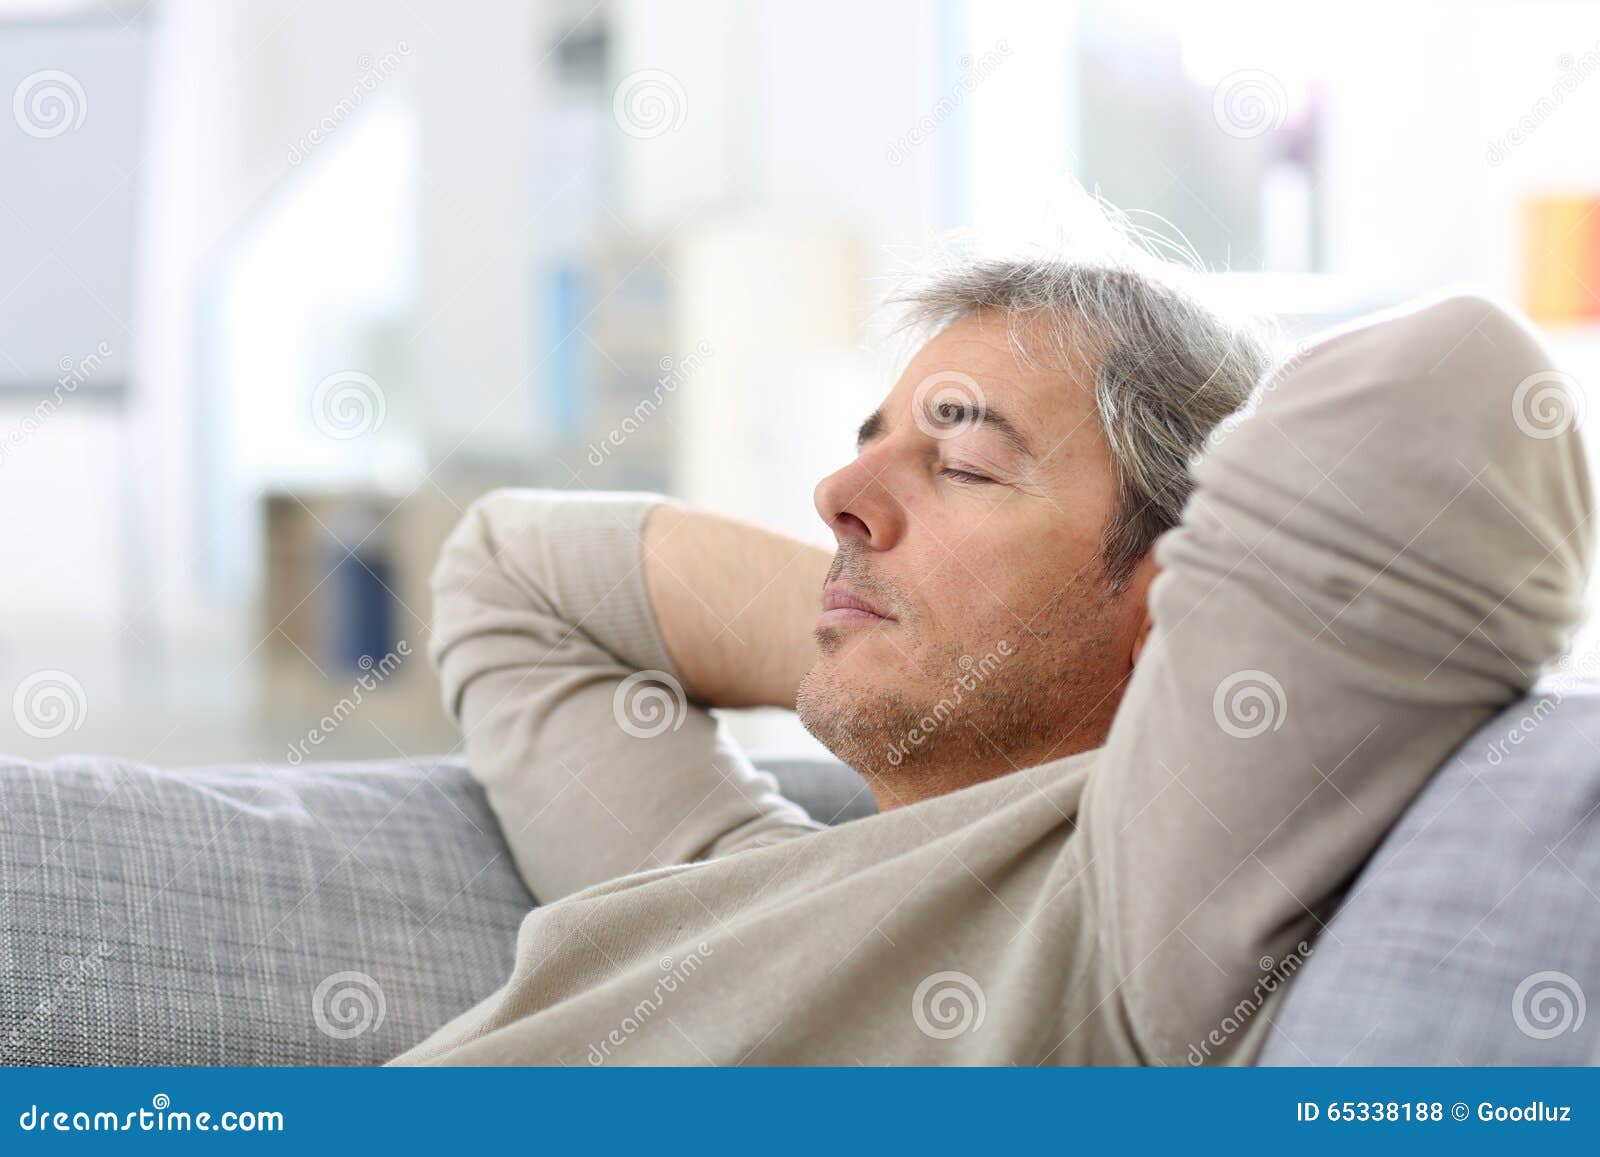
<point>345,608</point>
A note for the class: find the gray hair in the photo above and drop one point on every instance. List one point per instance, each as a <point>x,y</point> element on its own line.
<point>1166,369</point>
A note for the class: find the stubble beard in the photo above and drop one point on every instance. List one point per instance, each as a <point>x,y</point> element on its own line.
<point>1021,699</point>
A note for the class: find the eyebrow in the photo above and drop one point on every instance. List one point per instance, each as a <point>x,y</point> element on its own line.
<point>870,429</point>
<point>957,413</point>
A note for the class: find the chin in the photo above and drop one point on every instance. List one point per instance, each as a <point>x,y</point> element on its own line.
<point>852,710</point>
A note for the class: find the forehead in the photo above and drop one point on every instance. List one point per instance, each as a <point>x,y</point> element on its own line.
<point>1050,403</point>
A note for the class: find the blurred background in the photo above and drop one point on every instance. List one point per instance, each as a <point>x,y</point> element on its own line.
<point>283,285</point>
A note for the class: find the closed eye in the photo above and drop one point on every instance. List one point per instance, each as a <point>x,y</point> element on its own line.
<point>956,474</point>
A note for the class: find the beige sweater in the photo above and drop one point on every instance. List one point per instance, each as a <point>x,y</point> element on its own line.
<point>1377,560</point>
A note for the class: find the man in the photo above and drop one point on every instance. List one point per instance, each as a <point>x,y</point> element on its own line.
<point>1054,877</point>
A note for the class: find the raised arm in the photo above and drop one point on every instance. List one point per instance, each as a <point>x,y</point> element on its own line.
<point>736,605</point>
<point>576,718</point>
<point>1375,562</point>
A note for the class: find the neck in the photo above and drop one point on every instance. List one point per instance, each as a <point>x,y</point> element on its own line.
<point>932,774</point>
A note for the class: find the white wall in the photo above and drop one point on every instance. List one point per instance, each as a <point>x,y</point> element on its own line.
<point>788,204</point>
<point>789,110</point>
<point>112,564</point>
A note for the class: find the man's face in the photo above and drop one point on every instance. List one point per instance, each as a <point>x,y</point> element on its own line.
<point>968,629</point>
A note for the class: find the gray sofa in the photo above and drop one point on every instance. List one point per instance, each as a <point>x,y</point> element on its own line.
<point>336,914</point>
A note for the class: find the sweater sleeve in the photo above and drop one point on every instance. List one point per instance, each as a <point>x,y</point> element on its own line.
<point>1376,561</point>
<point>573,715</point>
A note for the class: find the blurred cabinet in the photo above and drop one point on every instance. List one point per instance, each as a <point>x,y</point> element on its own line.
<point>346,610</point>
<point>613,371</point>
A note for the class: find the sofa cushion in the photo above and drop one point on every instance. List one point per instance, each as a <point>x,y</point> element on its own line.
<point>338,913</point>
<point>243,915</point>
<point>1472,936</point>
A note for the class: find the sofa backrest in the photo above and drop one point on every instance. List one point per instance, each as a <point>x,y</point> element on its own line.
<point>1472,936</point>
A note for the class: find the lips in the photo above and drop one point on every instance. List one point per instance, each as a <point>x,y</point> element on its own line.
<point>842,605</point>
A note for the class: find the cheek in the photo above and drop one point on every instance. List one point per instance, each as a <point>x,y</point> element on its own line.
<point>1013,582</point>
<point>985,576</point>
<point>972,603</point>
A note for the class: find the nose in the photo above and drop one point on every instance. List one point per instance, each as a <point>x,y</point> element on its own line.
<point>859,507</point>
